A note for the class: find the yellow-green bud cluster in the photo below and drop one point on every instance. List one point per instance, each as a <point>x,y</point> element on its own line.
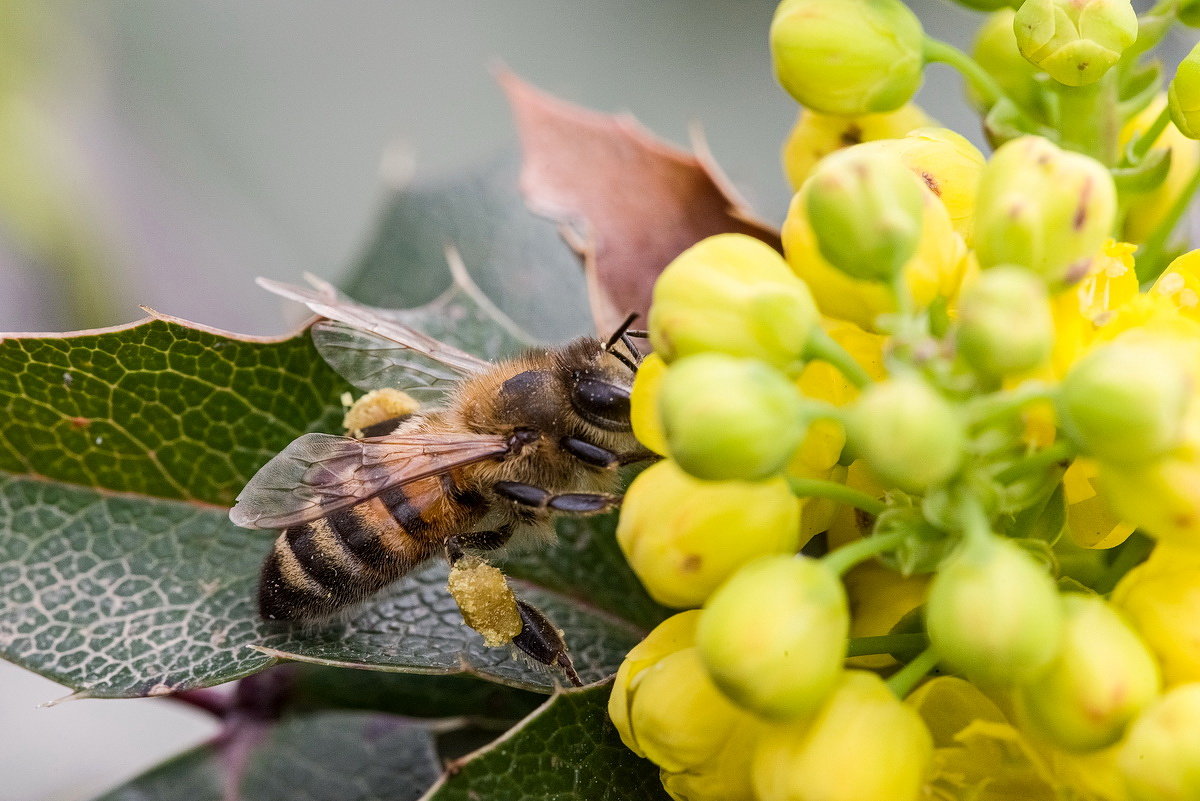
<point>902,446</point>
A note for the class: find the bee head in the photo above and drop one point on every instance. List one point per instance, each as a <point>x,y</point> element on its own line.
<point>599,377</point>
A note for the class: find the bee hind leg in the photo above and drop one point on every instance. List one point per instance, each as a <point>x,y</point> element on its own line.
<point>493,540</point>
<point>542,642</point>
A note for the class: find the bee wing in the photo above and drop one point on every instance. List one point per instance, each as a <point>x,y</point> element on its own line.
<point>317,474</point>
<point>371,349</point>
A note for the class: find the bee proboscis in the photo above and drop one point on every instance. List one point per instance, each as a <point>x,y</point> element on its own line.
<point>511,444</point>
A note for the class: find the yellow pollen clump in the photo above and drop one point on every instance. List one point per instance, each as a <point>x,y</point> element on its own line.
<point>486,602</point>
<point>375,407</point>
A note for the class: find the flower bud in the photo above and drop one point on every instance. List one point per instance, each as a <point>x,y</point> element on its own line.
<point>910,436</point>
<point>994,613</point>
<point>1183,95</point>
<point>643,404</point>
<point>774,635</point>
<point>1004,322</point>
<point>1101,679</point>
<point>1045,209</point>
<point>996,51</point>
<point>730,418</point>
<point>1124,403</point>
<point>847,56</point>
<point>1076,41</point>
<point>732,294</point>
<point>1161,497</point>
<point>816,135</point>
<point>948,164</point>
<point>726,777</point>
<point>864,745</point>
<point>673,634</point>
<point>683,536</point>
<point>1160,759</point>
<point>1161,598</point>
<point>865,209</point>
<point>679,717</point>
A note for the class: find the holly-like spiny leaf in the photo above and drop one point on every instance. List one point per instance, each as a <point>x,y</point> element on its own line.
<point>633,201</point>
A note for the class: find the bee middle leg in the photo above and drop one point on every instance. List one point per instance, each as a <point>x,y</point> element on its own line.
<point>539,498</point>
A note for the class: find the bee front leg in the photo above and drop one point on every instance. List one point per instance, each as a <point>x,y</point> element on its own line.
<point>573,502</point>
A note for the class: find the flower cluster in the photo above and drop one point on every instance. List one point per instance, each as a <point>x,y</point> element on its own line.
<point>931,477</point>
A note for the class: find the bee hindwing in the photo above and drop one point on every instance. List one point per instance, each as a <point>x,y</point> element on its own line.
<point>318,474</point>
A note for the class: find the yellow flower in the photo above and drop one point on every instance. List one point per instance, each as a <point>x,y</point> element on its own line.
<point>643,404</point>
<point>1091,521</point>
<point>1180,283</point>
<point>979,756</point>
<point>864,745</point>
<point>936,271</point>
<point>725,777</point>
<point>1163,498</point>
<point>684,536</point>
<point>816,135</point>
<point>1147,209</point>
<point>1081,310</point>
<point>1161,597</point>
<point>948,164</point>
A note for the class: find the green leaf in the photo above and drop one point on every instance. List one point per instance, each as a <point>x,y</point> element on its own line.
<point>518,259</point>
<point>566,749</point>
<point>327,756</point>
<point>121,574</point>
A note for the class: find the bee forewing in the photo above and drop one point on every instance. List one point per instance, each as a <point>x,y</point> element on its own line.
<point>326,303</point>
<point>317,474</point>
<point>370,361</point>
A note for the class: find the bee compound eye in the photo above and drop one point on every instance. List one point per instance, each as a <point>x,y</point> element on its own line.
<point>601,402</point>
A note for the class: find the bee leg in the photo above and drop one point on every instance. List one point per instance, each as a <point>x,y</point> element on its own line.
<point>459,544</point>
<point>538,498</point>
<point>588,453</point>
<point>542,642</point>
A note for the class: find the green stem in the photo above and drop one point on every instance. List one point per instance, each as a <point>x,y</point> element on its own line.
<point>1149,261</point>
<point>1001,405</point>
<point>937,51</point>
<point>1087,120</point>
<point>906,678</point>
<point>1037,462</point>
<point>824,347</point>
<point>1146,139</point>
<point>846,557</point>
<point>885,644</point>
<point>815,488</point>
<point>976,527</point>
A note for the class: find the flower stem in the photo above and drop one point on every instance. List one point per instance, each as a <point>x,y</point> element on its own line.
<point>984,84</point>
<point>906,678</point>
<point>1087,119</point>
<point>824,347</point>
<point>976,527</point>
<point>1037,462</point>
<point>1000,405</point>
<point>846,557</point>
<point>815,488</point>
<point>1150,261</point>
<point>885,644</point>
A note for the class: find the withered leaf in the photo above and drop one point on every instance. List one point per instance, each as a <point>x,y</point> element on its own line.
<point>629,202</point>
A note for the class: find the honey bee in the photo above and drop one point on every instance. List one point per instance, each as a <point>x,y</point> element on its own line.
<point>509,446</point>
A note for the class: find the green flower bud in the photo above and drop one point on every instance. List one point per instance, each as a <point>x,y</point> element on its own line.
<point>989,5</point>
<point>730,418</point>
<point>1101,679</point>
<point>865,208</point>
<point>773,636</point>
<point>994,613</point>
<point>1183,95</point>
<point>1160,759</point>
<point>996,51</point>
<point>1076,41</point>
<point>908,434</point>
<point>865,745</point>
<point>1004,322</point>
<point>848,57</point>
<point>732,294</point>
<point>1045,209</point>
<point>683,537</point>
<point>1124,403</point>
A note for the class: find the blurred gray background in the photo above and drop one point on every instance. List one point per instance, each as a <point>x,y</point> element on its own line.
<point>166,153</point>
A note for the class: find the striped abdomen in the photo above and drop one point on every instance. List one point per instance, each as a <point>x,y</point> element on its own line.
<point>317,568</point>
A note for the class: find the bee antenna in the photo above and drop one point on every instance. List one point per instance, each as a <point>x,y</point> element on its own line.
<point>640,333</point>
<point>620,332</point>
